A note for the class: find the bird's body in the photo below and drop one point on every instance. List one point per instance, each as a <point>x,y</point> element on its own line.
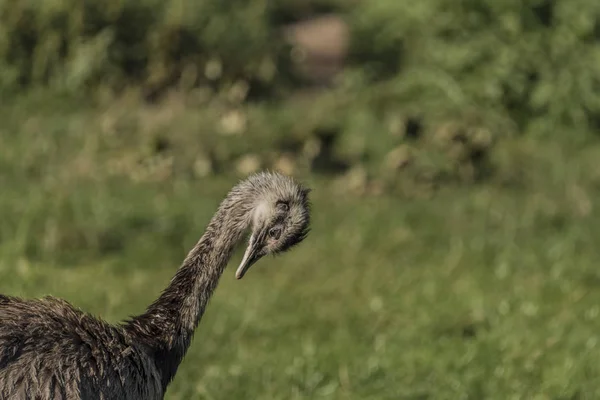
<point>52,350</point>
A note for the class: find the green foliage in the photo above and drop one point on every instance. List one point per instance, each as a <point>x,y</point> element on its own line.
<point>494,67</point>
<point>74,44</point>
<point>535,62</point>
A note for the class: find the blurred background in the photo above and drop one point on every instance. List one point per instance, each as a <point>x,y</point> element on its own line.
<point>453,148</point>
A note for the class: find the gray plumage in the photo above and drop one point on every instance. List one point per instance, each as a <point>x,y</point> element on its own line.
<point>51,350</point>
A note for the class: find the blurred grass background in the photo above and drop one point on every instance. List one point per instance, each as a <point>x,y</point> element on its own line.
<point>452,145</point>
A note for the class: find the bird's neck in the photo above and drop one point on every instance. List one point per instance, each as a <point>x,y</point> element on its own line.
<point>167,326</point>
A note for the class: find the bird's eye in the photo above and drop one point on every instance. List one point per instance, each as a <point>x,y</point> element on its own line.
<point>282,206</point>
<point>274,233</point>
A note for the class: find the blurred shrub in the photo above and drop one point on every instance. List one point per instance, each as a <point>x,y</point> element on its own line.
<point>429,87</point>
<point>534,61</point>
<point>73,44</point>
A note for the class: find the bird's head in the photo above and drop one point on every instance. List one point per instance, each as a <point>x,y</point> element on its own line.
<point>280,217</point>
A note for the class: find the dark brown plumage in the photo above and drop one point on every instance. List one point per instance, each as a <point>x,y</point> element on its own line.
<point>51,350</point>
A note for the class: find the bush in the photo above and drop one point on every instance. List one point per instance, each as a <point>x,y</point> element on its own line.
<point>533,61</point>
<point>429,87</point>
<point>73,44</point>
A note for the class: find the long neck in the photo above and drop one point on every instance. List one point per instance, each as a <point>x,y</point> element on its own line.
<point>168,325</point>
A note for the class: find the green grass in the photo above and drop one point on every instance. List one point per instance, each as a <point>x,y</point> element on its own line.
<point>484,292</point>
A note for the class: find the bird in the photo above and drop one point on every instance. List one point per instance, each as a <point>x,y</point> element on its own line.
<point>50,350</point>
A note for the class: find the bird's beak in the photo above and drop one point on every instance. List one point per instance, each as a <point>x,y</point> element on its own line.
<point>251,255</point>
